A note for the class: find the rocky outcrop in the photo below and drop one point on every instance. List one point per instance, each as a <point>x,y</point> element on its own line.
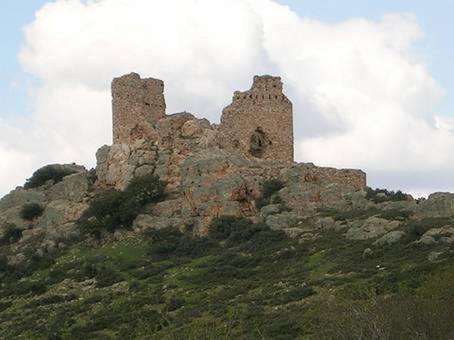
<point>439,204</point>
<point>62,203</point>
<point>177,137</point>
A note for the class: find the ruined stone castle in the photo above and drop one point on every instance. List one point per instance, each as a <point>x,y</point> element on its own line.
<point>258,123</point>
<point>214,170</point>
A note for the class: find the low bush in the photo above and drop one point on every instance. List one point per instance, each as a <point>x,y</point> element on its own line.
<point>171,242</point>
<point>106,277</point>
<point>4,267</point>
<point>243,233</point>
<point>269,188</point>
<point>145,189</point>
<point>222,227</point>
<point>113,209</point>
<point>30,211</point>
<point>46,173</point>
<point>11,233</point>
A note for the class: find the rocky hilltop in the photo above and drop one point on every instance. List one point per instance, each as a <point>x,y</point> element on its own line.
<point>205,175</point>
<point>175,193</point>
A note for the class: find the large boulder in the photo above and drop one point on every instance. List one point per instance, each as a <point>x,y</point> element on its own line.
<point>439,204</point>
<point>390,238</point>
<point>370,228</point>
<point>119,163</point>
<point>11,205</point>
<point>73,188</point>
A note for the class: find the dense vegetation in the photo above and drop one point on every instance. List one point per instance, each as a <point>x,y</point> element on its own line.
<point>384,195</point>
<point>242,281</point>
<point>114,209</point>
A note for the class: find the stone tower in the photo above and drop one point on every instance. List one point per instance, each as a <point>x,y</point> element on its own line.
<point>137,104</point>
<point>259,122</point>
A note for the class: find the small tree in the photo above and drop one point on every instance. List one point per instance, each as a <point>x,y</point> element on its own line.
<point>145,189</point>
<point>11,233</point>
<point>115,209</point>
<point>30,211</point>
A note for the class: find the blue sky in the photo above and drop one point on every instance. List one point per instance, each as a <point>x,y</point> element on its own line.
<point>436,50</point>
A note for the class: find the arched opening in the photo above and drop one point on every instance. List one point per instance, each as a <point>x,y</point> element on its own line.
<point>258,143</point>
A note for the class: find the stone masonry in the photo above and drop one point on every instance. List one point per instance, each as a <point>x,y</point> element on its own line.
<point>259,122</point>
<point>137,105</point>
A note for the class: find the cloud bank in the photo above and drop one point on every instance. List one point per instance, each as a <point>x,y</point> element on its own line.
<point>361,97</point>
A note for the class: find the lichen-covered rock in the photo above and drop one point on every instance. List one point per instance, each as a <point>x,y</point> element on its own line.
<point>60,212</point>
<point>370,228</point>
<point>11,205</point>
<point>437,205</point>
<point>73,188</point>
<point>16,260</point>
<point>409,205</point>
<point>427,240</point>
<point>444,234</point>
<point>367,253</point>
<point>270,209</point>
<point>283,220</point>
<point>390,238</point>
<point>434,256</point>
<point>119,163</point>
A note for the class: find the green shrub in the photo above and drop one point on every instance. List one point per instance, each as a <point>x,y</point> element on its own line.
<point>4,267</point>
<point>145,189</point>
<point>12,233</point>
<point>243,233</point>
<point>261,202</point>
<point>222,227</point>
<point>263,240</point>
<point>113,209</point>
<point>383,195</point>
<point>104,213</point>
<point>338,215</point>
<point>174,304</point>
<point>106,277</point>
<point>30,211</point>
<point>269,188</point>
<point>46,173</point>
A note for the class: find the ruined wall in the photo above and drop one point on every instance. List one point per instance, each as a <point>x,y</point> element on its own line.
<point>137,104</point>
<point>259,122</point>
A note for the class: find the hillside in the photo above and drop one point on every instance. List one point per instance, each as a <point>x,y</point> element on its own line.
<point>378,266</point>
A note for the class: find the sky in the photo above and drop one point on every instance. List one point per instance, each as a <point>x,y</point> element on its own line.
<point>371,81</point>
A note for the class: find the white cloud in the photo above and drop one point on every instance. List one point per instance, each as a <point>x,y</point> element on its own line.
<point>361,98</point>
